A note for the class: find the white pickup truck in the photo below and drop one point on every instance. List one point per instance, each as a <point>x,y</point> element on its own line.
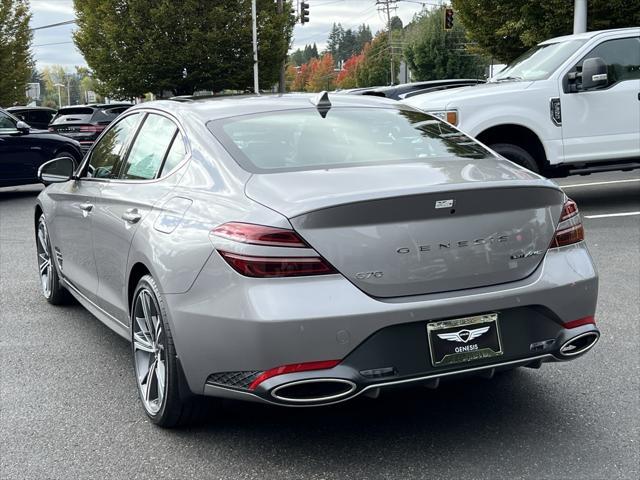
<point>569,105</point>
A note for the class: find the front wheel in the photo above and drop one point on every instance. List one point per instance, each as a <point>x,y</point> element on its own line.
<point>517,155</point>
<point>155,362</point>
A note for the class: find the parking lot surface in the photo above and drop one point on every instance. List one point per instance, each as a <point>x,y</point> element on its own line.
<point>69,406</point>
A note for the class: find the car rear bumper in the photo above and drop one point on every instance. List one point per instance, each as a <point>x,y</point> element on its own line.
<point>229,329</point>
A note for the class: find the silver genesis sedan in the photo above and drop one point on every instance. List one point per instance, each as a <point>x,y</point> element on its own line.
<point>304,250</point>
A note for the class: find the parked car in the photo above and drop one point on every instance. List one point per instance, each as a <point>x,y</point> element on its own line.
<point>85,123</point>
<point>23,150</point>
<point>35,117</point>
<point>299,250</point>
<point>398,92</point>
<point>569,105</point>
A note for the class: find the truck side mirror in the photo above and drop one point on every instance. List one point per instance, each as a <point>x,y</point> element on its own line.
<point>594,73</point>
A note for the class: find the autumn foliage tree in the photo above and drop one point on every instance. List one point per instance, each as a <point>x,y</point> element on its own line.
<point>321,74</point>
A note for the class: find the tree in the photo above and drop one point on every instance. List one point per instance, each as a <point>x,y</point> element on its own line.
<point>348,76</point>
<point>335,40</point>
<point>506,28</point>
<point>363,36</point>
<point>433,53</point>
<point>303,56</point>
<point>321,74</point>
<point>16,62</point>
<point>181,46</point>
<point>375,68</point>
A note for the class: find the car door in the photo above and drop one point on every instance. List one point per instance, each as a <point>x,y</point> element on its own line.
<point>125,203</point>
<point>604,123</point>
<point>73,238</point>
<point>19,157</point>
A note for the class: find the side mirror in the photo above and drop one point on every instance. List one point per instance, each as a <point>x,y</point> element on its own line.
<point>22,127</point>
<point>594,73</point>
<point>58,170</point>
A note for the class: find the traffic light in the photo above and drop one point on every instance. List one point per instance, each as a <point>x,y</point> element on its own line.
<point>304,12</point>
<point>448,18</point>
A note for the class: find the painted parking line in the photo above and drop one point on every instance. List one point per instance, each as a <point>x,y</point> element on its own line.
<point>606,215</point>
<point>600,183</point>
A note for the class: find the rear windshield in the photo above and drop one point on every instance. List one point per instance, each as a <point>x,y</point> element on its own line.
<point>304,140</point>
<point>75,114</point>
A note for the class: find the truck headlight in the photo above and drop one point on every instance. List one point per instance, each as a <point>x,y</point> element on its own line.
<point>449,116</point>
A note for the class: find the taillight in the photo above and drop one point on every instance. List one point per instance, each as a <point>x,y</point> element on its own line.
<point>296,367</point>
<point>259,235</point>
<point>262,267</point>
<point>570,229</point>
<point>92,128</point>
<point>266,266</point>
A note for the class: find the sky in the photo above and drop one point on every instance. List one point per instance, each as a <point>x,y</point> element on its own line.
<point>55,46</point>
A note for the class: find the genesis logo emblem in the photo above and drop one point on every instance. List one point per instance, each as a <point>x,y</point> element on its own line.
<point>464,335</point>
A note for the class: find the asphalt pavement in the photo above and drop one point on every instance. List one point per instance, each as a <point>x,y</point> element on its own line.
<point>69,407</point>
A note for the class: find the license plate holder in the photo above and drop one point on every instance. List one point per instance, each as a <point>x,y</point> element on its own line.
<point>462,340</point>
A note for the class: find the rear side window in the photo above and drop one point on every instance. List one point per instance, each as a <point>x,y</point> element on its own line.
<point>107,155</point>
<point>175,155</point>
<point>73,115</point>
<point>302,139</point>
<point>6,122</point>
<point>40,116</point>
<point>149,148</point>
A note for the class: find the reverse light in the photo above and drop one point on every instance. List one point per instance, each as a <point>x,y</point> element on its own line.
<point>570,229</point>
<point>259,235</point>
<point>293,368</point>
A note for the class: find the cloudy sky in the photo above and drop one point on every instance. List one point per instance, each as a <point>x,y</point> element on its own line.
<point>55,45</point>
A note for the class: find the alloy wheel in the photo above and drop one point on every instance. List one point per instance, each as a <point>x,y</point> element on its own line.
<point>149,351</point>
<point>45,266</point>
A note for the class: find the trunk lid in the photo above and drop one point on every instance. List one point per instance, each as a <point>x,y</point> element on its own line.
<point>417,228</point>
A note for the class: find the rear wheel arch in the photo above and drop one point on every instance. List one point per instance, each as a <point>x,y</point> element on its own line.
<point>138,271</point>
<point>519,136</point>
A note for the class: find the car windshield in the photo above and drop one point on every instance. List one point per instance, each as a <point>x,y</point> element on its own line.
<point>305,140</point>
<point>539,62</point>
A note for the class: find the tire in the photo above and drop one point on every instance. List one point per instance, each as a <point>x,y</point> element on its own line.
<point>50,284</point>
<point>517,155</point>
<point>153,351</point>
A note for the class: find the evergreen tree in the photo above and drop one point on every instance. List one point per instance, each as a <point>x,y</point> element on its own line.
<point>16,62</point>
<point>433,53</point>
<point>363,36</point>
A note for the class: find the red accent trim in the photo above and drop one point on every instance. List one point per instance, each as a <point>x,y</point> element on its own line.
<point>580,322</point>
<point>293,368</point>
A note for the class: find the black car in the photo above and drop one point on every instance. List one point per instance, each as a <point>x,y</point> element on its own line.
<point>86,122</point>
<point>398,92</point>
<point>36,117</point>
<point>23,150</point>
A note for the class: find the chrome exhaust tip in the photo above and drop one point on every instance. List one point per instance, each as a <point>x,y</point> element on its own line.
<point>314,390</point>
<point>579,344</point>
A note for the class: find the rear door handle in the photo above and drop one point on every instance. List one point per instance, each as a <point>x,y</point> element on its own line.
<point>87,207</point>
<point>131,215</point>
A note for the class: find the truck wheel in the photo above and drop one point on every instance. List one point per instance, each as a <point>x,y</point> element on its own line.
<point>516,154</point>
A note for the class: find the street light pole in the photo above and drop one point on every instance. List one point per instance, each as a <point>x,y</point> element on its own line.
<point>281,80</point>
<point>256,87</point>
<point>59,95</point>
<point>580,16</point>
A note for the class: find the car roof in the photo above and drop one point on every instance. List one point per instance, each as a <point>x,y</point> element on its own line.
<point>213,108</point>
<point>98,105</point>
<point>17,108</point>
<point>589,35</point>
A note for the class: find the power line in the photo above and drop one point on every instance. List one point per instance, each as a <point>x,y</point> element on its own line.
<point>49,44</point>
<point>59,24</point>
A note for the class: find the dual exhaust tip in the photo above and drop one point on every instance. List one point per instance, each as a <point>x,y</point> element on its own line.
<point>323,390</point>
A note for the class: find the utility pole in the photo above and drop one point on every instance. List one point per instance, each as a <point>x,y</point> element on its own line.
<point>59,96</point>
<point>68,91</point>
<point>385,6</point>
<point>580,16</point>
<point>256,87</point>
<point>281,82</point>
